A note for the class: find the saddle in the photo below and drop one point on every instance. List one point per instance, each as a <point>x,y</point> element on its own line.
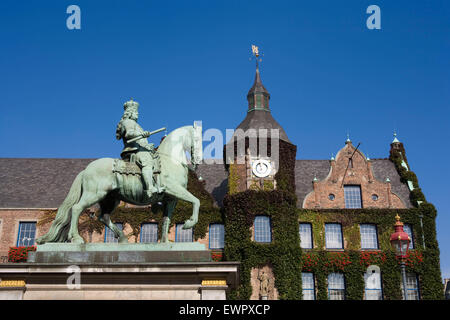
<point>127,165</point>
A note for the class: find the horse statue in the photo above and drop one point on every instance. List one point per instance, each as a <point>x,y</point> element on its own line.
<point>108,181</point>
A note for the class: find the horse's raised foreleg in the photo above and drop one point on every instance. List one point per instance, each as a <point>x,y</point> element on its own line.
<point>181,193</point>
<point>168,210</point>
<point>87,200</point>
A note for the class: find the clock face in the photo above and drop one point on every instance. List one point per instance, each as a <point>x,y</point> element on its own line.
<point>261,168</point>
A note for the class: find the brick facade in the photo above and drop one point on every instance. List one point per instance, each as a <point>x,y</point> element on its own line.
<point>357,172</point>
<point>9,227</point>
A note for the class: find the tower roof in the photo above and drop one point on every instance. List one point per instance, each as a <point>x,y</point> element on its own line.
<point>258,87</point>
<point>260,119</point>
<point>258,113</point>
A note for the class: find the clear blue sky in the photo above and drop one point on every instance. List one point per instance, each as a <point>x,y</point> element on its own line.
<point>62,90</point>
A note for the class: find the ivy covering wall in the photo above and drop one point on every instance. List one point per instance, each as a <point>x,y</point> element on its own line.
<point>289,261</point>
<point>283,253</point>
<point>353,262</point>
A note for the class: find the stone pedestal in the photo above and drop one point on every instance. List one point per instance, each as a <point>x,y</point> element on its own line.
<point>87,273</point>
<point>12,289</point>
<point>118,253</point>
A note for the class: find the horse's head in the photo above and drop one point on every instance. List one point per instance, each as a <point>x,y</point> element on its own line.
<point>197,144</point>
<point>187,138</point>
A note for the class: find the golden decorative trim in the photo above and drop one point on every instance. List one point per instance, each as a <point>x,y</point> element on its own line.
<point>12,283</point>
<point>214,282</point>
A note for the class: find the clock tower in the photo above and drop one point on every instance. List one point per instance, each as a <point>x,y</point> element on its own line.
<point>259,146</point>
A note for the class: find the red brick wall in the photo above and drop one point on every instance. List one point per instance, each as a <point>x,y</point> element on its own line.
<point>9,226</point>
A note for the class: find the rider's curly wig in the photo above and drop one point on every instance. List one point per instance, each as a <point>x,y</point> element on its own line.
<point>129,113</point>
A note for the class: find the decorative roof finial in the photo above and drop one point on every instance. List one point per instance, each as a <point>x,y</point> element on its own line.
<point>395,138</point>
<point>348,139</point>
<point>258,97</point>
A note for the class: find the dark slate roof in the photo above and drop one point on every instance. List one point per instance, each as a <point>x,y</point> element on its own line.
<point>261,119</point>
<point>37,183</point>
<point>216,180</point>
<point>44,183</point>
<point>305,170</point>
<point>385,168</point>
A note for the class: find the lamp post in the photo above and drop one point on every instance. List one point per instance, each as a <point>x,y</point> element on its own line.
<point>400,242</point>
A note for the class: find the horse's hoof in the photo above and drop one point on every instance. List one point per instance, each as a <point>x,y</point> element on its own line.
<point>188,224</point>
<point>123,240</point>
<point>77,240</point>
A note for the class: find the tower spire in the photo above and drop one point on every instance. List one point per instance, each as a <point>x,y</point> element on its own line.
<point>395,138</point>
<point>258,96</point>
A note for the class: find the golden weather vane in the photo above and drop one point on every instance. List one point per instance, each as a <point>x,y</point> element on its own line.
<point>255,52</point>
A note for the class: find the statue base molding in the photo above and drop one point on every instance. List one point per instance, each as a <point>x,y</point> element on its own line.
<point>120,253</point>
<point>118,281</point>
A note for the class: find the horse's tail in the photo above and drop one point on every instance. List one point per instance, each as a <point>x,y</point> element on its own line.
<point>59,229</point>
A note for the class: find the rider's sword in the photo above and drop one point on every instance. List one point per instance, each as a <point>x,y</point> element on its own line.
<point>151,132</point>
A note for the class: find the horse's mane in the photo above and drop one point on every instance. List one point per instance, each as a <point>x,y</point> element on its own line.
<point>163,144</point>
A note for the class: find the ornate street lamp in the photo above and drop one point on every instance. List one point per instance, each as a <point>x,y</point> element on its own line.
<point>400,242</point>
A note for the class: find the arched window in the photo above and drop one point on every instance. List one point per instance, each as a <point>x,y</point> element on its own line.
<point>408,229</point>
<point>216,236</point>
<point>372,281</point>
<point>263,230</point>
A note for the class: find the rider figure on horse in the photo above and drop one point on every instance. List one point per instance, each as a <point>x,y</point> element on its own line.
<point>146,155</point>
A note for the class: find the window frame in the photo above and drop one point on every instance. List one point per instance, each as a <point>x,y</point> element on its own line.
<point>313,289</point>
<point>342,236</point>
<point>209,237</point>
<point>21,224</point>
<point>310,234</point>
<point>149,223</point>
<point>412,245</point>
<point>270,228</point>
<point>376,236</point>
<point>409,275</point>
<point>177,233</point>
<point>108,231</point>
<point>344,289</point>
<point>348,200</point>
<point>380,289</point>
